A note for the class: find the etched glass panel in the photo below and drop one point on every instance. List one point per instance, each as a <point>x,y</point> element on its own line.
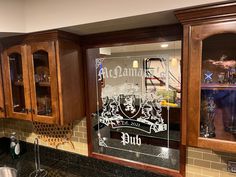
<point>218,89</point>
<point>138,104</point>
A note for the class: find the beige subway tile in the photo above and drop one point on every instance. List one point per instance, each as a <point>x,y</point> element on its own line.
<point>76,139</point>
<point>189,174</point>
<point>211,172</point>
<point>198,175</point>
<point>79,134</point>
<point>200,150</point>
<point>227,174</point>
<point>195,154</point>
<point>75,128</point>
<point>202,163</point>
<point>219,166</point>
<point>82,129</point>
<point>193,169</point>
<point>83,140</point>
<point>84,124</point>
<point>83,152</point>
<point>211,157</point>
<point>190,161</point>
<point>85,134</point>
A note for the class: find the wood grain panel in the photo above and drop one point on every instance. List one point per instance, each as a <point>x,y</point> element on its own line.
<point>70,81</point>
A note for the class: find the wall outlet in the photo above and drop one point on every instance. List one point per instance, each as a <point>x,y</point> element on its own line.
<point>231,166</point>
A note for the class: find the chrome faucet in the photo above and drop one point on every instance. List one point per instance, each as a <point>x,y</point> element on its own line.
<point>38,171</point>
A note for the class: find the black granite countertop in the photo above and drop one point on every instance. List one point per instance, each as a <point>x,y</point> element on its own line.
<point>55,168</point>
<point>64,164</point>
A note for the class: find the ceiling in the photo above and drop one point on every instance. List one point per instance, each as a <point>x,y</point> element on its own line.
<point>173,45</point>
<point>90,16</point>
<point>147,20</point>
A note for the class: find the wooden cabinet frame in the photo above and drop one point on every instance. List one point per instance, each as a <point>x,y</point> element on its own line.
<point>2,103</point>
<point>7,83</point>
<point>66,75</point>
<point>48,47</point>
<point>137,36</point>
<point>199,24</point>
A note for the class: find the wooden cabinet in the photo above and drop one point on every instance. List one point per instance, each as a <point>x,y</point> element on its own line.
<point>209,76</point>
<point>16,82</point>
<point>2,106</point>
<point>43,78</point>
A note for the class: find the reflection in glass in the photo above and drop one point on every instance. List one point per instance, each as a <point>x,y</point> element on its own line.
<point>218,95</point>
<point>138,110</point>
<point>17,86</point>
<point>42,83</point>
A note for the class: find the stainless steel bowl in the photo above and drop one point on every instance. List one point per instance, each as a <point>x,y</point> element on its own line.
<point>8,172</point>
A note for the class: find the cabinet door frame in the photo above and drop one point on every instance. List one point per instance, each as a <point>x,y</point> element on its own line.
<point>197,34</point>
<point>48,47</point>
<point>2,105</point>
<point>20,49</point>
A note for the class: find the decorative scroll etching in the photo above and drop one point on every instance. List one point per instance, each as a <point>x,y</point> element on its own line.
<point>101,141</point>
<point>163,155</point>
<point>125,107</point>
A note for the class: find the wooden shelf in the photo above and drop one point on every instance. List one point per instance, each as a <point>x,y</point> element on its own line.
<point>18,83</point>
<point>216,86</point>
<point>43,84</point>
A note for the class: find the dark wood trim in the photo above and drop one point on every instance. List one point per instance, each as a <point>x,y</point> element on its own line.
<point>152,168</point>
<point>184,88</point>
<point>119,38</point>
<point>87,110</point>
<point>43,36</point>
<point>2,97</point>
<point>207,12</point>
<point>134,36</point>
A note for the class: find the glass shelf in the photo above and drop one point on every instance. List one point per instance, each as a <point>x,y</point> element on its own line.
<point>43,84</point>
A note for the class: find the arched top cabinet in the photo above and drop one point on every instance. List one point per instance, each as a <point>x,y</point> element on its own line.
<point>43,77</point>
<point>209,77</point>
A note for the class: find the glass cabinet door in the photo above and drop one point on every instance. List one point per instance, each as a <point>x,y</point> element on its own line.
<point>138,104</point>
<point>16,83</point>
<point>211,86</point>
<point>218,88</point>
<point>43,75</point>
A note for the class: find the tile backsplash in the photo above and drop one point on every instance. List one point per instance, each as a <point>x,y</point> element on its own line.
<point>207,163</point>
<point>200,162</point>
<point>25,132</point>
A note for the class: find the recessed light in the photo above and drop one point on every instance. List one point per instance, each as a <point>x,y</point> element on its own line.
<point>164,45</point>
